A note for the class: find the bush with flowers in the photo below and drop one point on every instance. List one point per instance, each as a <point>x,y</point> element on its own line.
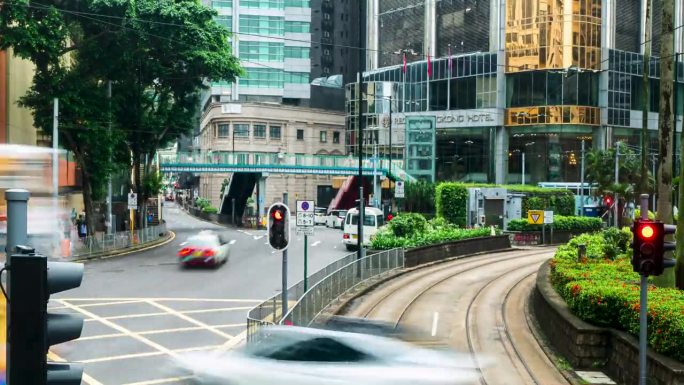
<point>602,289</point>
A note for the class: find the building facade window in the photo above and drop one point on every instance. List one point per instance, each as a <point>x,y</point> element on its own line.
<point>261,51</point>
<point>262,25</point>
<point>323,136</point>
<point>297,77</point>
<point>275,132</point>
<point>336,137</point>
<point>297,27</point>
<point>262,78</point>
<point>241,130</point>
<point>217,4</point>
<point>259,131</point>
<point>223,130</point>
<point>297,52</point>
<point>226,21</point>
<point>300,134</point>
<point>266,4</point>
<point>298,3</point>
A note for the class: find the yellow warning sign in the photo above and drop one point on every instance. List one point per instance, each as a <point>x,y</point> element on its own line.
<point>535,217</point>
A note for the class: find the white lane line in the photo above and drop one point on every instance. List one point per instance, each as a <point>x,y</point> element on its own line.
<point>161,381</point>
<point>148,354</point>
<point>233,342</point>
<point>435,320</point>
<point>163,331</point>
<point>86,378</point>
<point>162,299</point>
<point>157,314</point>
<point>257,237</point>
<point>120,329</point>
<point>315,243</point>
<point>232,242</point>
<point>193,321</point>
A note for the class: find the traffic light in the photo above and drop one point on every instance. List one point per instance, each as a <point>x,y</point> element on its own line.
<point>649,247</point>
<point>279,226</point>
<point>31,330</point>
<point>607,200</point>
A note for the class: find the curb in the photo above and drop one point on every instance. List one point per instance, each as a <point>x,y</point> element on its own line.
<point>158,243</point>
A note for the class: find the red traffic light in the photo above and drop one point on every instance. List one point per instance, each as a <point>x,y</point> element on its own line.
<point>647,232</point>
<point>278,215</point>
<point>608,200</point>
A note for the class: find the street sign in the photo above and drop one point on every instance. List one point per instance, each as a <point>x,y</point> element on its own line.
<point>548,217</point>
<point>305,230</point>
<point>535,217</point>
<point>399,189</point>
<point>132,201</point>
<point>305,213</point>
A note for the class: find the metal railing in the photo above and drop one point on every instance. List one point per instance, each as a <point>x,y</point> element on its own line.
<point>339,282</point>
<point>103,243</point>
<point>269,311</point>
<point>325,286</point>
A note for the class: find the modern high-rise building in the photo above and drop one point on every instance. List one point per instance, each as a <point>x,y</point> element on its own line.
<point>514,89</point>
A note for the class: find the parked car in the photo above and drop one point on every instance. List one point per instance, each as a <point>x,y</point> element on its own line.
<point>335,219</point>
<point>319,216</point>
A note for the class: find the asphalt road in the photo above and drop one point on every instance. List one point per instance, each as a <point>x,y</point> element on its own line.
<point>142,309</point>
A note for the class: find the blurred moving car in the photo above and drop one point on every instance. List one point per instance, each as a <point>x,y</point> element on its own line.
<point>319,216</point>
<point>288,355</point>
<point>335,219</point>
<point>204,249</point>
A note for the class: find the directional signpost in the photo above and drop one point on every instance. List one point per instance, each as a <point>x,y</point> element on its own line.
<point>305,224</point>
<point>548,220</point>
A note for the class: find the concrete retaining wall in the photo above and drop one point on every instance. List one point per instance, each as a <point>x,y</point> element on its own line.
<point>427,254</point>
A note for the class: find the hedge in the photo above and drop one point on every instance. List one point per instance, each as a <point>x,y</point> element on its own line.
<point>424,233</point>
<point>602,289</point>
<point>560,223</point>
<point>450,202</point>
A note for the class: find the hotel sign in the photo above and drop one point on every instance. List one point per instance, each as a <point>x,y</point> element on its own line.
<point>456,119</point>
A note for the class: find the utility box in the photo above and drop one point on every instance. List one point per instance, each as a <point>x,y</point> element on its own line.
<point>493,206</point>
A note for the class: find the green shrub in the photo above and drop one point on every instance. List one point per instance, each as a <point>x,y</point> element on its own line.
<point>419,197</point>
<point>604,290</point>
<point>450,201</point>
<point>201,203</point>
<point>408,223</point>
<point>210,210</point>
<point>419,232</point>
<point>560,223</point>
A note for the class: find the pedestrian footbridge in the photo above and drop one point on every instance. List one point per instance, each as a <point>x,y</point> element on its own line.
<point>280,163</point>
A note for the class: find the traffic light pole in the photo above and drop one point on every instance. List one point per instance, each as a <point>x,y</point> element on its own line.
<point>643,308</point>
<point>284,289</point>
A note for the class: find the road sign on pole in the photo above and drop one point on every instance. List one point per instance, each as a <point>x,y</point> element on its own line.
<point>399,189</point>
<point>548,217</point>
<point>132,201</point>
<point>535,217</point>
<point>305,214</point>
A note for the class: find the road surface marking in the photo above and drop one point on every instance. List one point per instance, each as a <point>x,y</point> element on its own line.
<point>141,299</point>
<point>149,354</point>
<point>315,243</point>
<point>161,331</point>
<point>232,242</point>
<point>233,341</point>
<point>257,237</point>
<point>183,316</point>
<point>119,328</point>
<point>101,304</point>
<point>157,314</point>
<point>85,378</point>
<point>435,320</point>
<point>161,381</point>
<point>245,232</point>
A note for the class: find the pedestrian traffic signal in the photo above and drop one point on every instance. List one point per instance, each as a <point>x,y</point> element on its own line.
<point>31,329</point>
<point>279,226</point>
<point>649,247</point>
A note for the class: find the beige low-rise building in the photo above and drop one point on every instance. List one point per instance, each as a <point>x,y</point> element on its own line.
<point>252,130</point>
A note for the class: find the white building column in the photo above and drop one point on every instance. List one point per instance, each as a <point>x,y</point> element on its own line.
<point>679,21</point>
<point>372,34</point>
<point>430,32</point>
<point>500,154</point>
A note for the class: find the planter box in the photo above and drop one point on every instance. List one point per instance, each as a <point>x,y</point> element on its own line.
<point>585,345</point>
<point>532,238</point>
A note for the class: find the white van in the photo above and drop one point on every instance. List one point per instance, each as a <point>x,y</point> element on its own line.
<point>372,221</point>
